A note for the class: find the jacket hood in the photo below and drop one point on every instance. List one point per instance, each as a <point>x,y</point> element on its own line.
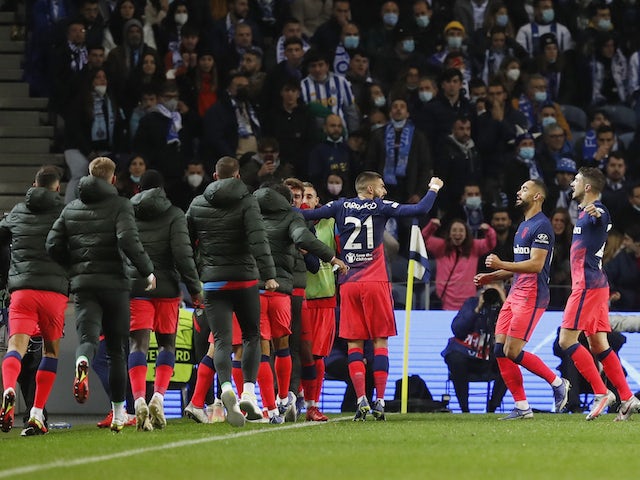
<point>271,201</point>
<point>225,192</point>
<point>150,203</point>
<point>93,189</point>
<point>40,199</point>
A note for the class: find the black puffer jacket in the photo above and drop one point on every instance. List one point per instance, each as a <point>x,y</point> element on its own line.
<point>287,231</point>
<point>228,231</point>
<point>164,235</point>
<point>26,228</point>
<point>94,234</point>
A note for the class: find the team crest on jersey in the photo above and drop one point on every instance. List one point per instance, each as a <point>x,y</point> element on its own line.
<point>524,231</point>
<point>350,257</point>
<point>542,238</point>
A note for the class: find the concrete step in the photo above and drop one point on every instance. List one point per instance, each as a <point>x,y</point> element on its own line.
<point>20,187</point>
<point>14,89</point>
<point>7,18</point>
<point>33,159</point>
<point>21,119</point>
<point>7,202</point>
<point>21,102</point>
<point>9,46</point>
<point>18,174</point>
<point>5,30</point>
<point>11,75</point>
<point>24,145</point>
<point>9,61</point>
<point>26,132</point>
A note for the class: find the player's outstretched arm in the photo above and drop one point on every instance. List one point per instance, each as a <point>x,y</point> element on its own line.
<point>423,206</point>
<point>534,264</point>
<point>485,278</point>
<point>326,211</point>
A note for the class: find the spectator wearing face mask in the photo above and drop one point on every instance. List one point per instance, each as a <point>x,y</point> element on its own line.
<point>454,37</point>
<point>128,178</point>
<point>544,22</point>
<point>164,136</point>
<point>471,207</point>
<point>558,68</point>
<point>194,182</point>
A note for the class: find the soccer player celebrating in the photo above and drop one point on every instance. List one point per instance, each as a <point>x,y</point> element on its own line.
<point>39,289</point>
<point>526,302</point>
<point>366,305</point>
<point>588,306</point>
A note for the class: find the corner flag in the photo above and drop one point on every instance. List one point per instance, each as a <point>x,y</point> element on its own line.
<point>418,253</point>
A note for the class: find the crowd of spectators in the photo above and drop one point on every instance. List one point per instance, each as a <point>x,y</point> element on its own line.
<point>483,93</point>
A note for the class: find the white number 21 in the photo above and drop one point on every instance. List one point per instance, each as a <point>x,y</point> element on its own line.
<point>351,241</point>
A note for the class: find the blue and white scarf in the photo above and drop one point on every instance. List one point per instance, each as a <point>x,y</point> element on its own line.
<point>246,118</point>
<point>101,127</point>
<point>176,123</point>
<point>395,167</point>
<point>590,145</point>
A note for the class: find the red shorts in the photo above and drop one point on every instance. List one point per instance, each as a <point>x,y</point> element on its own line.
<point>366,311</point>
<point>275,315</point>
<point>34,312</point>
<point>588,311</point>
<point>518,320</point>
<point>157,314</point>
<point>318,325</point>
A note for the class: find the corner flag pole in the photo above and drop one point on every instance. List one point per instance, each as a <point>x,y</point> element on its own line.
<point>405,350</point>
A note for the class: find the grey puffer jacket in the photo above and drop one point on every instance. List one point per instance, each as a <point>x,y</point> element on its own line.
<point>228,234</point>
<point>94,234</point>
<point>26,228</point>
<point>165,237</point>
<point>287,231</point>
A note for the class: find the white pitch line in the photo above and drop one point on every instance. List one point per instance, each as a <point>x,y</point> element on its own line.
<point>137,451</point>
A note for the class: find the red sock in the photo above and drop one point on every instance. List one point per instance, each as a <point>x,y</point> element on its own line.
<point>615,374</point>
<point>283,367</point>
<point>45,376</point>
<point>11,366</point>
<point>535,365</point>
<point>265,382</point>
<point>512,377</point>
<point>309,381</point>
<point>163,377</point>
<point>138,380</point>
<point>238,376</point>
<point>357,371</point>
<point>319,378</point>
<point>380,370</point>
<point>583,361</point>
<point>204,380</point>
<point>44,384</point>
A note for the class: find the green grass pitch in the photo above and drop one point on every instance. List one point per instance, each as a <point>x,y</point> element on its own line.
<point>420,446</point>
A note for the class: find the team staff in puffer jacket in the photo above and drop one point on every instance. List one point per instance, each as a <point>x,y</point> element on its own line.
<point>286,231</point>
<point>91,235</point>
<point>232,253</point>
<point>39,290</point>
<point>165,237</point>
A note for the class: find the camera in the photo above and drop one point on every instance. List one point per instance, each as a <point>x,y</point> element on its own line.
<point>491,297</point>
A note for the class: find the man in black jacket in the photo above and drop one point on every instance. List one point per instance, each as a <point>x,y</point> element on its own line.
<point>233,252</point>
<point>39,293</point>
<point>90,236</point>
<point>164,236</point>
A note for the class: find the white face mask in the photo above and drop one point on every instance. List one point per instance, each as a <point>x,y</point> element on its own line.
<point>513,74</point>
<point>334,188</point>
<point>398,123</point>
<point>181,18</point>
<point>195,180</point>
<point>100,90</point>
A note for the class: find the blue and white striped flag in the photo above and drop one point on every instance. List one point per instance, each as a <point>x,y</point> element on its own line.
<point>418,252</point>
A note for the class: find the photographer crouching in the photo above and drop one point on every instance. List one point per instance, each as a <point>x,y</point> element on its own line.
<point>469,353</point>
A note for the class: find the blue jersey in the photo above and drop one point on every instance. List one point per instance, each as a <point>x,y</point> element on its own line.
<point>587,249</point>
<point>360,227</point>
<point>532,288</point>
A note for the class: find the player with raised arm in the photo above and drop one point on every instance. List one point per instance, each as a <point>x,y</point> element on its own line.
<point>588,306</point>
<point>526,302</point>
<point>366,304</point>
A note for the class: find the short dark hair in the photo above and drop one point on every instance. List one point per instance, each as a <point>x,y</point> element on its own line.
<point>501,210</point>
<point>618,154</point>
<point>293,41</point>
<point>47,176</point>
<point>151,179</point>
<point>283,190</point>
<point>268,142</point>
<point>594,177</point>
<point>539,183</point>
<point>605,129</point>
<point>227,167</point>
<point>314,55</point>
<point>449,74</point>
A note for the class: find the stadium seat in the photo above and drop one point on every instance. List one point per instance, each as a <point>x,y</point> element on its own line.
<point>626,139</point>
<point>576,118</point>
<point>622,117</point>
